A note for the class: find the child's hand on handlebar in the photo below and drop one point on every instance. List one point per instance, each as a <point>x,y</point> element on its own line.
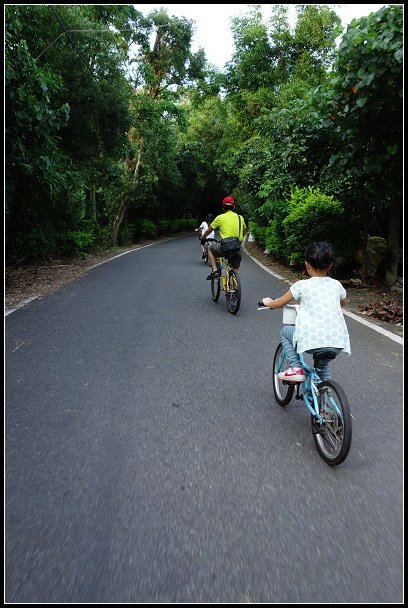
<point>266,302</point>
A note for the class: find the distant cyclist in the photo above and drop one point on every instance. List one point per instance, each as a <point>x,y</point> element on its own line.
<point>228,224</point>
<point>202,228</point>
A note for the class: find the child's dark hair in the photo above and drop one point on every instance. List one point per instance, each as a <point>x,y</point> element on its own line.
<point>320,255</point>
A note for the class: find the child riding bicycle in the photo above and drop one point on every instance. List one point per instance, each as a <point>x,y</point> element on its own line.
<point>320,322</point>
<point>202,228</point>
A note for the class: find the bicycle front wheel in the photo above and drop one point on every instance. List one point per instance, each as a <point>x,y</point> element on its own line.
<point>283,391</point>
<point>333,437</point>
<point>233,292</point>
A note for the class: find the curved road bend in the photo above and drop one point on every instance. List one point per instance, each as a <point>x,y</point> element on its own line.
<point>147,462</point>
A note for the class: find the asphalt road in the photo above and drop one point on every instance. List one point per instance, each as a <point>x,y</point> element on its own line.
<point>147,461</point>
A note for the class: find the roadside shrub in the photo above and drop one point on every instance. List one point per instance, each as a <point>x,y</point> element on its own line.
<point>149,229</point>
<point>78,242</point>
<point>258,232</point>
<point>312,216</point>
<point>182,224</point>
<point>125,233</point>
<point>379,256</point>
<point>144,229</point>
<point>164,227</point>
<point>271,215</point>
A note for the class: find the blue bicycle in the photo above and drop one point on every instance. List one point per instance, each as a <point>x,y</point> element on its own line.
<point>326,401</point>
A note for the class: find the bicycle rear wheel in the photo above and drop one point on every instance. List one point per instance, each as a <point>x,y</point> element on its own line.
<point>283,391</point>
<point>233,292</point>
<point>216,287</point>
<point>333,437</point>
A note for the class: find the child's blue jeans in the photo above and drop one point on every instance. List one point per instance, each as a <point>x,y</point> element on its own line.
<point>292,356</point>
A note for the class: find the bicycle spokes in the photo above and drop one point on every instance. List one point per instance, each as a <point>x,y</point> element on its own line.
<point>332,432</point>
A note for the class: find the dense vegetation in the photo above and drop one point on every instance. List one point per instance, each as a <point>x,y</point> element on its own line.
<point>116,131</point>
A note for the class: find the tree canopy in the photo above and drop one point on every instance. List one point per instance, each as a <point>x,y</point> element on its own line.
<point>113,123</point>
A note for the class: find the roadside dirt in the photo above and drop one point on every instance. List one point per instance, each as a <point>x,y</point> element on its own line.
<point>383,307</point>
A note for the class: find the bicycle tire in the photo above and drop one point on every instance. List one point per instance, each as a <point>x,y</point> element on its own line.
<point>215,288</point>
<point>233,292</point>
<point>283,391</point>
<point>333,438</point>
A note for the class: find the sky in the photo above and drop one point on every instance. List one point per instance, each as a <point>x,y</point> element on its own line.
<point>213,32</point>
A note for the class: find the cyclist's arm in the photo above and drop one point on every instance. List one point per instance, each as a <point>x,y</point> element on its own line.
<point>279,302</point>
<point>207,232</point>
<point>343,302</point>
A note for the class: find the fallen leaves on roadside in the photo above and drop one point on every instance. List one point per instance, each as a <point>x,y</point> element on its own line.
<point>389,311</point>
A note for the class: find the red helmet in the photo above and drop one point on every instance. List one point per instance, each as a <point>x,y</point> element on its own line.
<point>228,202</point>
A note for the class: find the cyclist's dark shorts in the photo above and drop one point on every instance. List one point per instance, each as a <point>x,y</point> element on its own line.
<point>234,260</point>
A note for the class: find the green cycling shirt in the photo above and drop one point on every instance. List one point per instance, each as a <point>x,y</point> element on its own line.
<point>227,225</point>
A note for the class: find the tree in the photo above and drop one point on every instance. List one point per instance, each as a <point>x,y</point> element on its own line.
<point>161,71</point>
<point>71,60</point>
<point>364,109</point>
<point>37,171</point>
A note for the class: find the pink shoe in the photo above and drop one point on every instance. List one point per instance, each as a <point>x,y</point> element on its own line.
<point>293,374</point>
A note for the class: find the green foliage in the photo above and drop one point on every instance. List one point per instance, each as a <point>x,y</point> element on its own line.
<point>379,254</point>
<point>365,96</point>
<point>93,134</point>
<point>78,242</point>
<point>137,230</point>
<point>312,216</point>
<point>164,227</point>
<point>258,232</point>
<point>183,224</point>
<point>66,110</point>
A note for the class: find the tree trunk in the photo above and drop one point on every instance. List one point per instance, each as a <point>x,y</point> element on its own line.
<point>139,155</point>
<point>117,221</point>
<point>92,202</point>
<point>124,204</point>
<point>364,248</point>
<point>394,219</point>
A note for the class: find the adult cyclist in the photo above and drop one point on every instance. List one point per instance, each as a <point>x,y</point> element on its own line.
<point>228,224</point>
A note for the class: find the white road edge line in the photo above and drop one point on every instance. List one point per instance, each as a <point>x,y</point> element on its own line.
<point>380,330</point>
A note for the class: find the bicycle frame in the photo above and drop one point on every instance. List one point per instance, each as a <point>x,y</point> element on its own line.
<point>225,267</point>
<point>228,281</point>
<point>309,389</point>
<point>331,419</point>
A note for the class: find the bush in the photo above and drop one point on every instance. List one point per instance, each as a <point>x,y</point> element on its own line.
<point>164,227</point>
<point>144,229</point>
<point>379,256</point>
<point>183,224</point>
<point>78,241</point>
<point>258,232</point>
<point>313,216</point>
<point>125,233</point>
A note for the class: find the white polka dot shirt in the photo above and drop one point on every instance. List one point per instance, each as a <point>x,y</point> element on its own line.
<point>320,320</point>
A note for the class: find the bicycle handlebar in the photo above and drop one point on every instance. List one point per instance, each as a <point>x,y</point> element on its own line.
<point>262,306</point>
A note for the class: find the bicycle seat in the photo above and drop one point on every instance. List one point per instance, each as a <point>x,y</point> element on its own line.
<point>324,354</point>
